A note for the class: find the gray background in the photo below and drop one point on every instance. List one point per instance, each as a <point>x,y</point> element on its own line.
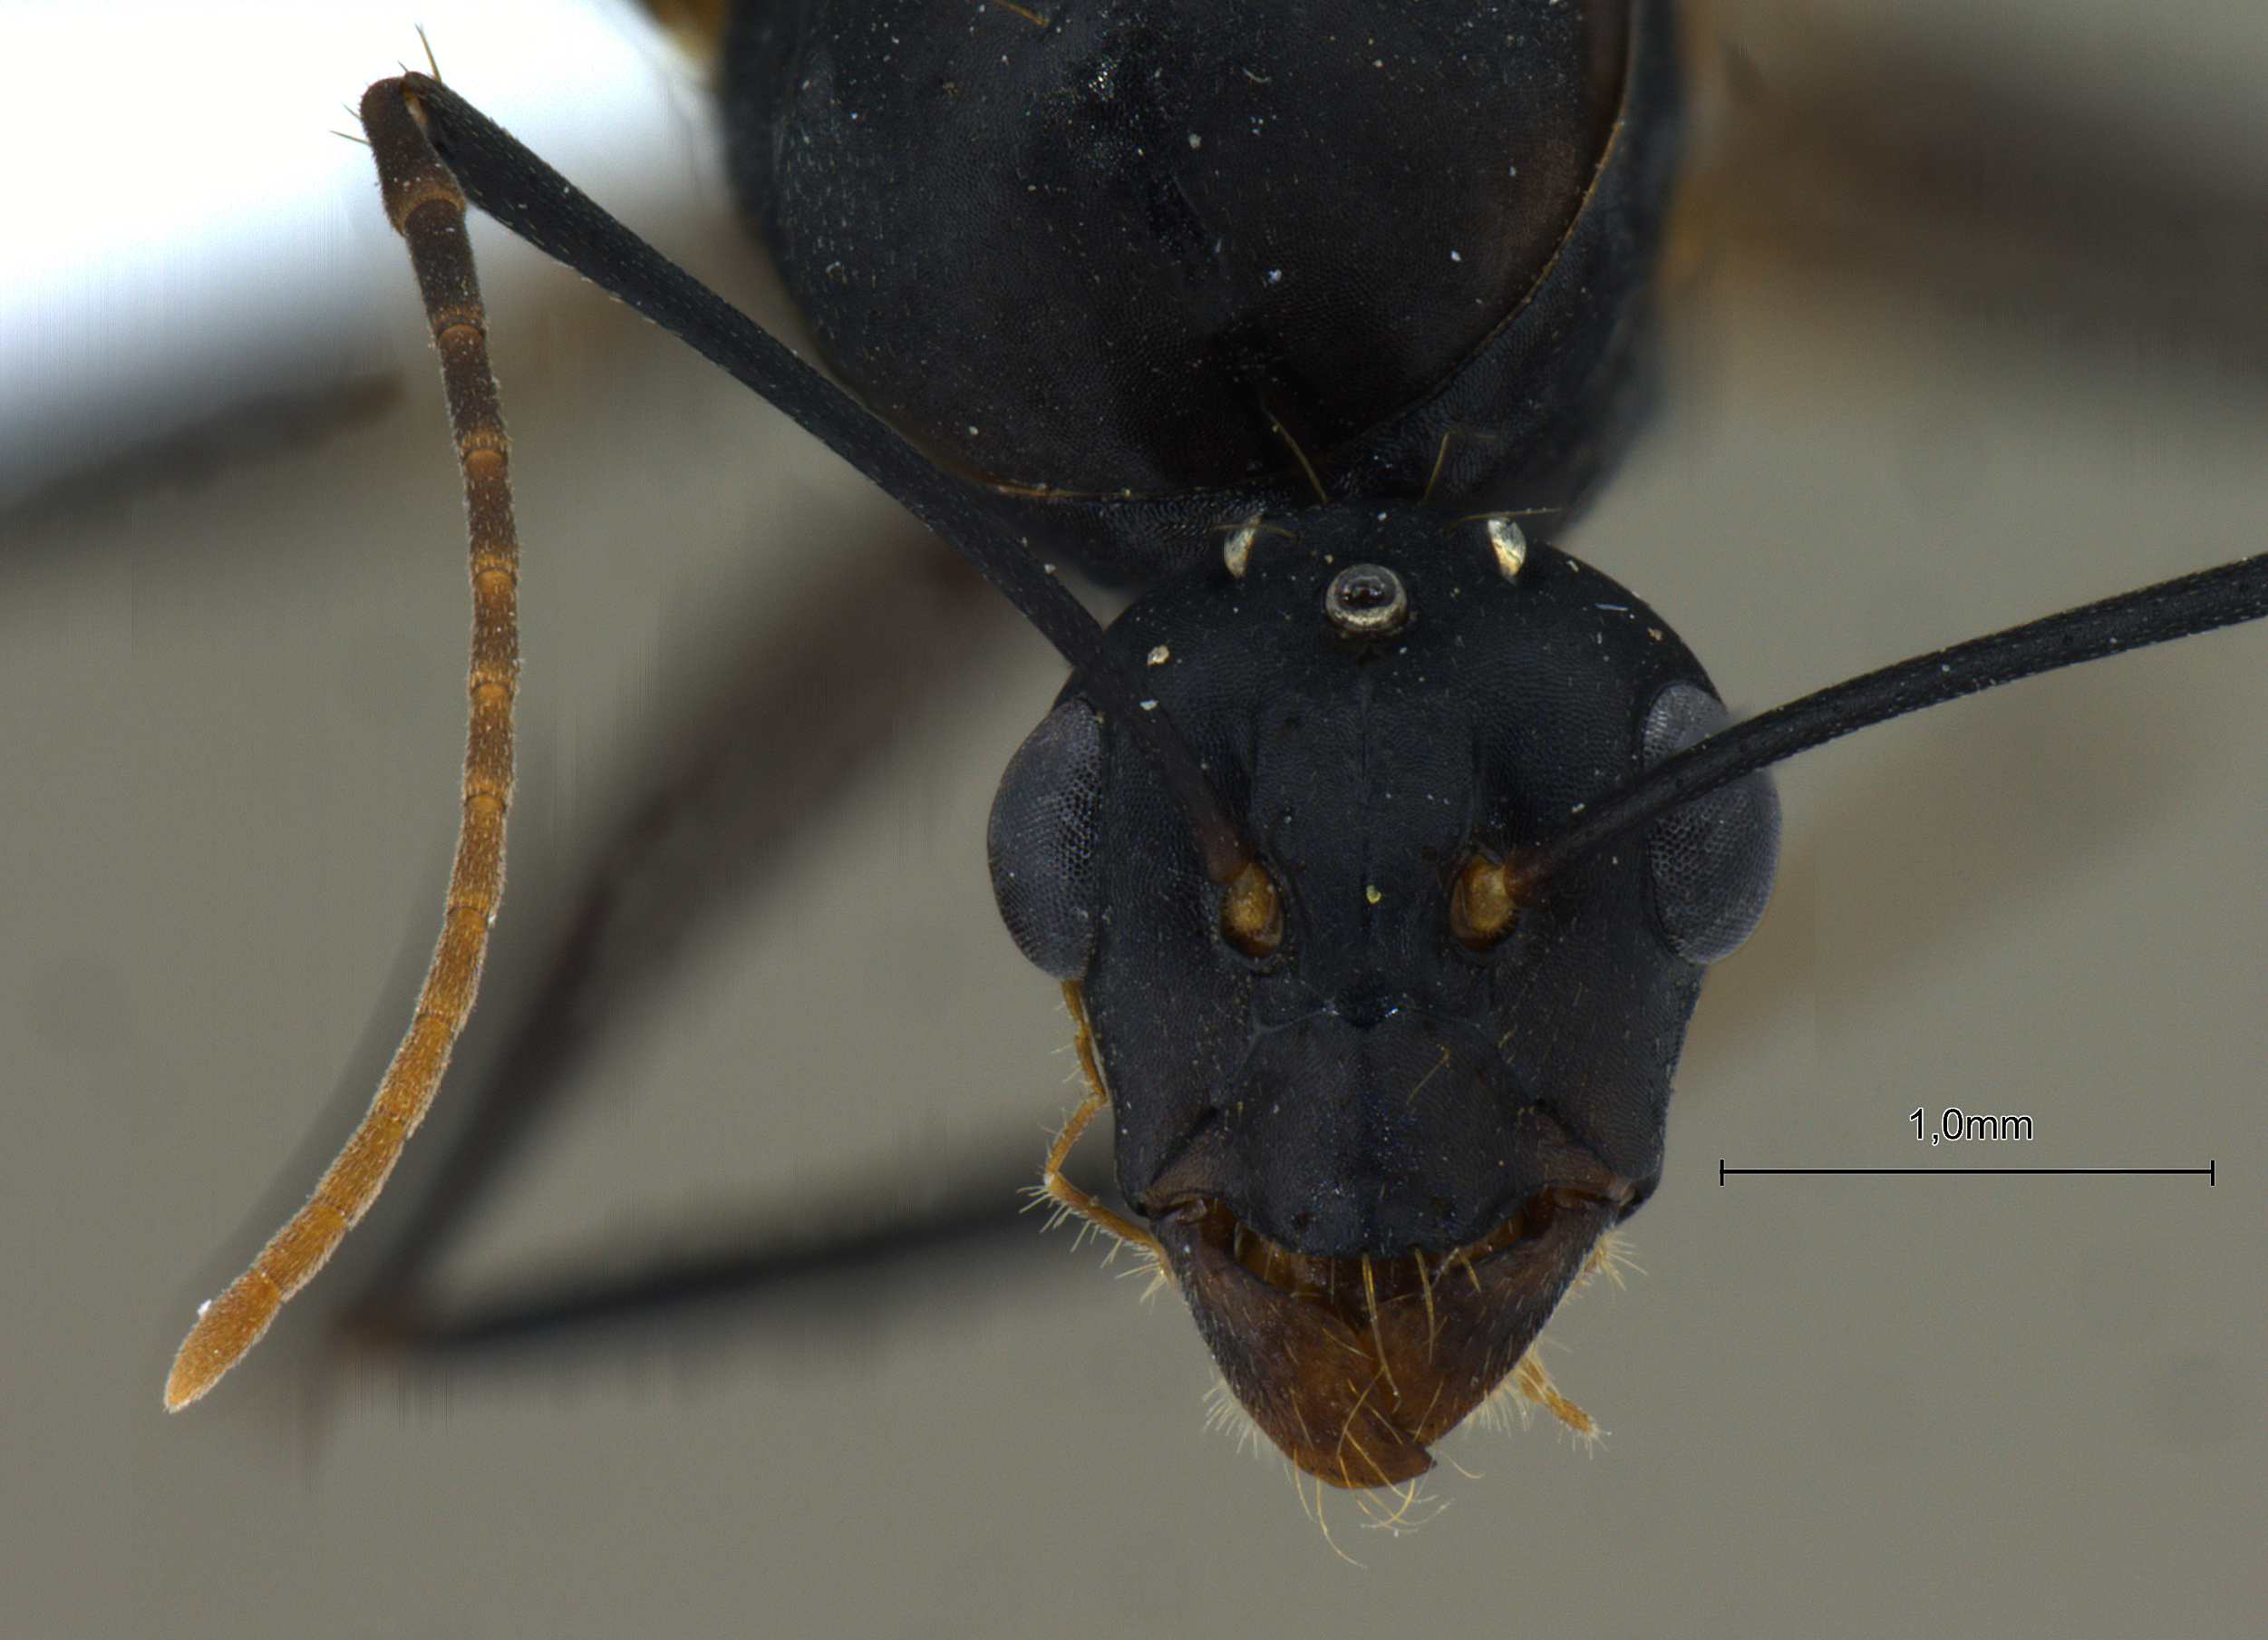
<point>1970,326</point>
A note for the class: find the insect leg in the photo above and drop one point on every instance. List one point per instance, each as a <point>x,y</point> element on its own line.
<point>709,828</point>
<point>850,1261</point>
<point>2035,215</point>
<point>1053,1185</point>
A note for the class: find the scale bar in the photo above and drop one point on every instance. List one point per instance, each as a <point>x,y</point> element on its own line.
<point>2205,1172</point>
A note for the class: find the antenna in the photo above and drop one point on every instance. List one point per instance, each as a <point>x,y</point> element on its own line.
<point>2190,604</point>
<point>513,185</point>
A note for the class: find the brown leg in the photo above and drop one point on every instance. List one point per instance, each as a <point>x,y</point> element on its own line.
<point>1054,1186</point>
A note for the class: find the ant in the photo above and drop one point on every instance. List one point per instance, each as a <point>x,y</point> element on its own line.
<point>1335,925</point>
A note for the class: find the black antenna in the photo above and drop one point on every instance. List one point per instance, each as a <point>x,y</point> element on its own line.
<point>2190,604</point>
<point>512,185</point>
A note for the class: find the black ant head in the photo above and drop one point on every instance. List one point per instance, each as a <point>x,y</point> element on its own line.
<point>1376,1093</point>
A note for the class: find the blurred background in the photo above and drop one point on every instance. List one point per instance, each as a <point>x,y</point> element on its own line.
<point>1970,325</point>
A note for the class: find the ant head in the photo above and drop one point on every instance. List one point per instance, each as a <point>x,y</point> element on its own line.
<point>1372,1091</point>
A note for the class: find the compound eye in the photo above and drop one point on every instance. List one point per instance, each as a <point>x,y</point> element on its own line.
<point>1043,838</point>
<point>1709,861</point>
<point>1252,913</point>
